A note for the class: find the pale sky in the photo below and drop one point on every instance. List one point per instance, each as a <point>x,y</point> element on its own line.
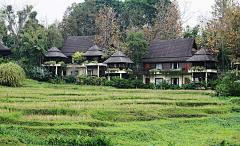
<point>52,10</point>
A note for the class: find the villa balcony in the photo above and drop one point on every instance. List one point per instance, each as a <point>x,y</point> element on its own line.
<point>208,69</point>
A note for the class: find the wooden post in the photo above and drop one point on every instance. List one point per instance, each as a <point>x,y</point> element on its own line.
<point>56,70</point>
<point>98,70</point>
<point>206,78</point>
<point>192,76</point>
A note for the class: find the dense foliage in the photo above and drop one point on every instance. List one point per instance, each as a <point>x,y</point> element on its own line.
<point>11,74</point>
<point>230,85</point>
<point>137,47</point>
<point>4,60</point>
<point>39,73</point>
<point>192,85</point>
<point>89,80</point>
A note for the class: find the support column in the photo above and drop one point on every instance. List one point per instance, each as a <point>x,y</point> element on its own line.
<point>86,70</point>
<point>62,73</point>
<point>56,70</point>
<point>98,70</point>
<point>206,78</point>
<point>192,76</point>
<point>120,75</point>
<point>108,78</point>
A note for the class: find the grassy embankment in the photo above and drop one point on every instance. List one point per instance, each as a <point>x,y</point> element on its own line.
<point>38,111</point>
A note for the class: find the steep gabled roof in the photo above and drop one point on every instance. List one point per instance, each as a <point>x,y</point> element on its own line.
<point>55,53</point>
<point>118,57</point>
<point>170,50</point>
<point>75,44</point>
<point>202,55</point>
<point>94,51</point>
<point>4,50</point>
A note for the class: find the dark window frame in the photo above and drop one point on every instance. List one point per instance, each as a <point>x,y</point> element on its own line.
<point>159,63</point>
<point>174,65</point>
<point>176,79</point>
<point>156,80</point>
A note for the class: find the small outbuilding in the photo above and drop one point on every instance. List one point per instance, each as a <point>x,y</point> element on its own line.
<point>4,51</point>
<point>118,63</point>
<point>94,54</point>
<point>54,54</point>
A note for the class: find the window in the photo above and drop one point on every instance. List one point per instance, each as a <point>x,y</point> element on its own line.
<point>159,66</point>
<point>174,65</point>
<point>158,81</point>
<point>89,72</point>
<point>174,81</point>
<point>74,73</point>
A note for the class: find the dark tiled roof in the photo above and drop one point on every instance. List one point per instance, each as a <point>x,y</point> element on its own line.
<point>202,55</point>
<point>202,51</point>
<point>94,51</point>
<point>4,48</point>
<point>118,57</point>
<point>54,52</point>
<point>152,60</point>
<point>174,49</point>
<point>75,44</point>
<point>119,54</point>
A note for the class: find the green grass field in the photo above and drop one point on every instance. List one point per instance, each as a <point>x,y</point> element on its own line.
<point>38,111</point>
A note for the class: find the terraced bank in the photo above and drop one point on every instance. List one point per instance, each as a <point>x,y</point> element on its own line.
<point>38,111</point>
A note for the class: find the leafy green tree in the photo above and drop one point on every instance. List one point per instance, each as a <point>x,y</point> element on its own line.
<point>229,86</point>
<point>34,46</point>
<point>79,19</point>
<point>167,24</point>
<point>16,21</point>
<point>78,58</point>
<point>137,47</point>
<point>54,37</point>
<point>3,29</point>
<point>34,39</point>
<point>139,12</point>
<point>191,33</point>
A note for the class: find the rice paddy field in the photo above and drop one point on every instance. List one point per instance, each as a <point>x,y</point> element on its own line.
<point>38,111</point>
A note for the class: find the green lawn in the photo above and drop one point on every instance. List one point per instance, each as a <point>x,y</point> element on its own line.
<point>38,111</point>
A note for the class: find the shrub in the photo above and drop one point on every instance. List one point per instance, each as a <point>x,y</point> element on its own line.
<point>163,85</point>
<point>89,80</point>
<point>213,83</point>
<point>107,83</point>
<point>195,86</point>
<point>124,83</point>
<point>228,86</point>
<point>69,79</point>
<point>39,73</point>
<point>4,60</point>
<point>11,74</point>
<point>190,86</point>
<point>174,87</point>
<point>57,80</point>
<point>137,83</point>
